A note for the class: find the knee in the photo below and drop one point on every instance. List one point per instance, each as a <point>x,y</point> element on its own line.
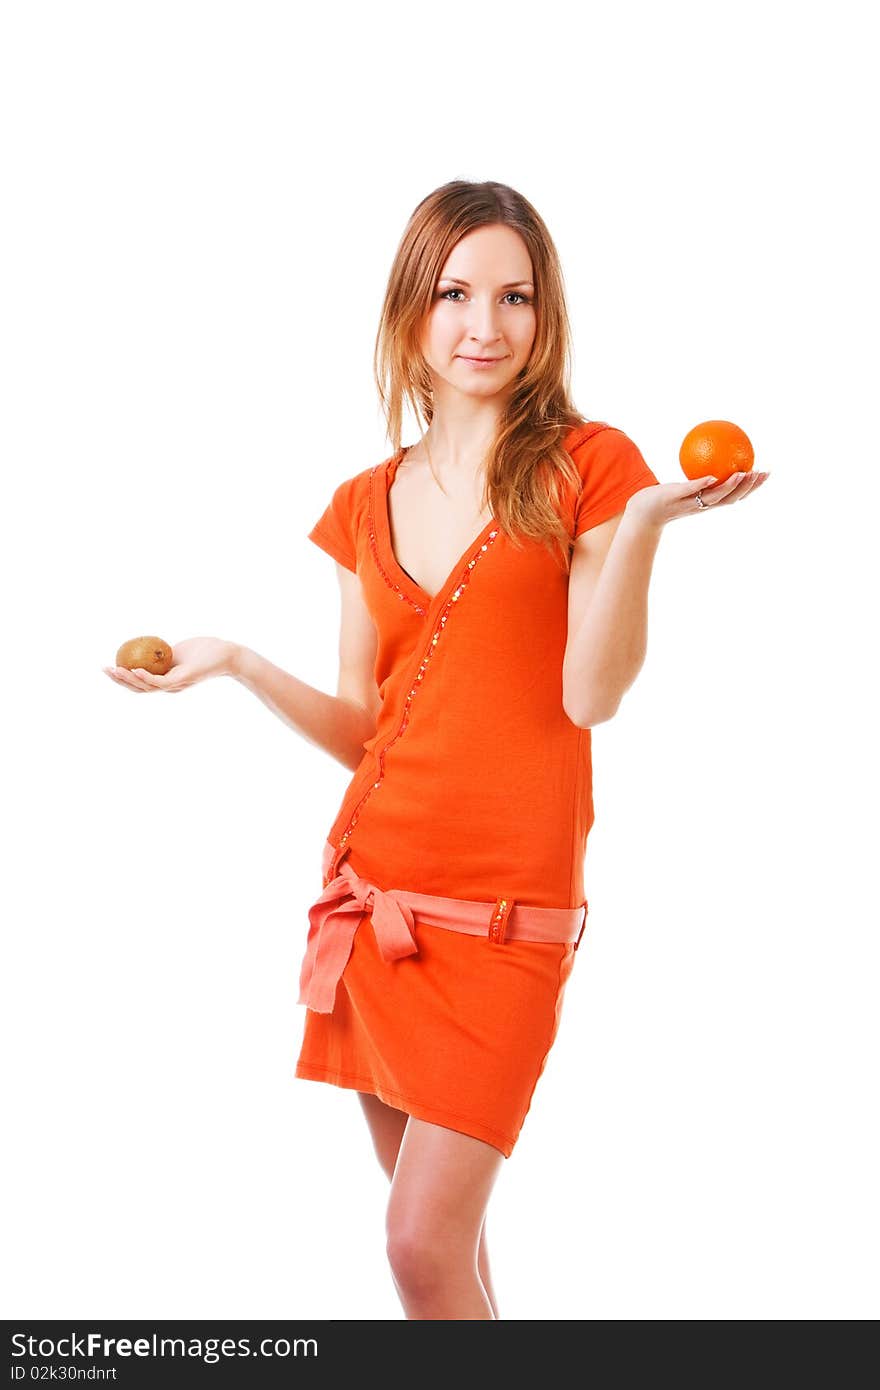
<point>420,1256</point>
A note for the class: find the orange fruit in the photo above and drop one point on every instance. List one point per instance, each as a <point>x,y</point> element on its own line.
<point>147,653</point>
<point>715,449</point>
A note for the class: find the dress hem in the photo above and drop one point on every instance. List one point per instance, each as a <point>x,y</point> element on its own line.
<point>310,1071</point>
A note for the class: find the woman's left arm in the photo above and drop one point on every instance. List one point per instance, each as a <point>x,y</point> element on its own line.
<point>608,592</point>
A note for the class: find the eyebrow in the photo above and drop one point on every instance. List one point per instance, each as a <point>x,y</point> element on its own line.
<point>453,281</point>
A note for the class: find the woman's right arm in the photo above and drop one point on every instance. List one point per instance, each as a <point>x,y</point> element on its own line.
<point>340,724</point>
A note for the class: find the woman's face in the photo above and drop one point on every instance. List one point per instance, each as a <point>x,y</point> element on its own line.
<point>483,308</point>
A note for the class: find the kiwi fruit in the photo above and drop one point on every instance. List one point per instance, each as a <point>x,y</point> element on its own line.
<point>147,654</point>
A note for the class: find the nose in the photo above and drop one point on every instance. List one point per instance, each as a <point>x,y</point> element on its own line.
<point>483,322</point>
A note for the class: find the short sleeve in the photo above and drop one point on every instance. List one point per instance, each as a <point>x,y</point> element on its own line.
<point>334,529</point>
<point>612,469</point>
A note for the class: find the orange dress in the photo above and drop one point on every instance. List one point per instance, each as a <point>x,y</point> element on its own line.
<point>476,785</point>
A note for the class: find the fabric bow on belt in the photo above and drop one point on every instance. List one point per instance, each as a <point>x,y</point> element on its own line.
<point>333,921</point>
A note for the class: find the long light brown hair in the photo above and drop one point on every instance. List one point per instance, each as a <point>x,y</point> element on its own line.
<point>526,466</point>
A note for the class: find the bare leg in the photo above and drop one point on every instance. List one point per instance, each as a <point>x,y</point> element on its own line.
<point>387,1127</point>
<point>441,1186</point>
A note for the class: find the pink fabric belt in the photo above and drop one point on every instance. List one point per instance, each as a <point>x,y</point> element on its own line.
<point>347,898</point>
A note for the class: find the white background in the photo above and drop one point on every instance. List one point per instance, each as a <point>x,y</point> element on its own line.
<point>202,202</point>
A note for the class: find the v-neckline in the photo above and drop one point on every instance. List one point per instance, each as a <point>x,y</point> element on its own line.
<point>404,578</point>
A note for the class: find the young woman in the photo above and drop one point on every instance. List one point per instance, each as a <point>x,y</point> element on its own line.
<point>494,579</point>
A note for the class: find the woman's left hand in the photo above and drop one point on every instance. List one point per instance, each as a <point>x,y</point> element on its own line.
<point>662,502</point>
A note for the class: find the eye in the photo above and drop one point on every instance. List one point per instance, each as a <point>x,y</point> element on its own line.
<point>511,294</point>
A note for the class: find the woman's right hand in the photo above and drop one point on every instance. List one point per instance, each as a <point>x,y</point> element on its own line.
<point>195,659</point>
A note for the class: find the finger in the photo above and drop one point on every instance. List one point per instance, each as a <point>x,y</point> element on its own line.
<point>733,482</point>
<point>754,480</point>
<point>726,491</point>
<point>742,484</point>
<point>129,678</point>
<point>153,682</point>
<point>117,674</point>
<point>146,680</point>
